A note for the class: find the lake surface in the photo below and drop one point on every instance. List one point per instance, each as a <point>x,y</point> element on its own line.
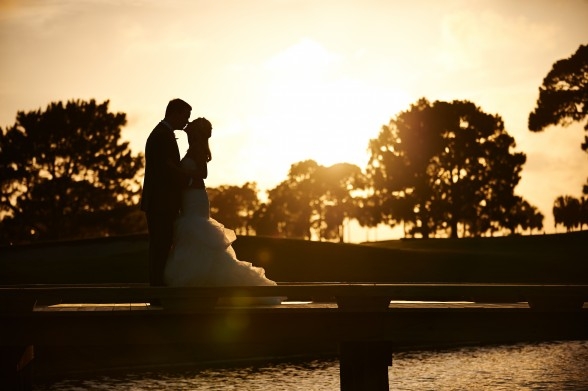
<point>541,366</point>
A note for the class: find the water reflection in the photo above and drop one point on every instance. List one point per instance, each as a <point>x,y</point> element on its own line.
<point>544,366</point>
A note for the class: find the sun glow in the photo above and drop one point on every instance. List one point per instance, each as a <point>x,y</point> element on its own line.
<point>320,113</point>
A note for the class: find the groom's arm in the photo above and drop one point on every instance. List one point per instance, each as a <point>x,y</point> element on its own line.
<point>182,175</point>
<point>163,160</point>
<point>192,172</point>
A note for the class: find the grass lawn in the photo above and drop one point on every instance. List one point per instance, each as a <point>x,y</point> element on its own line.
<point>560,258</point>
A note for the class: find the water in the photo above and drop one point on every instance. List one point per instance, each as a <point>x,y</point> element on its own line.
<point>541,366</point>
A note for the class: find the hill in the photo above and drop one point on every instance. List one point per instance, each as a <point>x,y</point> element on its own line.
<point>557,258</point>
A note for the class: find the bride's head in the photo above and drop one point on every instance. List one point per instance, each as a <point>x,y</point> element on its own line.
<point>199,128</point>
<point>198,132</point>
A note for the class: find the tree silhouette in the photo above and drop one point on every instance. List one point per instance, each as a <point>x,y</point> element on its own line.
<point>583,212</point>
<point>570,212</point>
<point>313,199</point>
<point>563,96</point>
<point>234,206</point>
<point>64,173</point>
<point>292,201</point>
<point>334,187</point>
<point>266,220</point>
<point>522,215</point>
<point>437,166</point>
<point>367,211</point>
<point>397,168</point>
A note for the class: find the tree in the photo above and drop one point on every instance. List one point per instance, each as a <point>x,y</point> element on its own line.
<point>567,210</point>
<point>234,206</point>
<point>399,157</point>
<point>335,186</point>
<point>583,212</point>
<point>266,220</point>
<point>314,199</point>
<point>523,215</point>
<point>64,173</point>
<point>563,96</point>
<point>292,201</point>
<point>440,165</point>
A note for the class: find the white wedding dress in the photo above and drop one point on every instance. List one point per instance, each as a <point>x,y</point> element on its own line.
<point>202,254</point>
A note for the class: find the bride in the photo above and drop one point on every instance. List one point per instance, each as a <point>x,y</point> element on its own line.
<point>202,254</point>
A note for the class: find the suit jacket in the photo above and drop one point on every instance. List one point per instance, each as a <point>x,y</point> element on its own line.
<point>162,185</point>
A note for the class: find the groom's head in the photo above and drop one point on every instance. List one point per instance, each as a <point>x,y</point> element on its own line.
<point>178,113</point>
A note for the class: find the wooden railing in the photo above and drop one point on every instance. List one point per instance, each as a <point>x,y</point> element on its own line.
<point>347,296</point>
<point>365,325</point>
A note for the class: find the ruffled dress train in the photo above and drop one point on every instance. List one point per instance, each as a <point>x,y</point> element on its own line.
<point>202,254</point>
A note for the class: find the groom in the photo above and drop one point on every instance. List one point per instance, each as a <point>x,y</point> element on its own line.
<point>162,186</point>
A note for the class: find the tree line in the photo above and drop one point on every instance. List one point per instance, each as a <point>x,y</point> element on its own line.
<point>437,169</point>
<point>563,99</point>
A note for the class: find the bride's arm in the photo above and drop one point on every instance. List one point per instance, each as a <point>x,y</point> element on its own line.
<point>179,173</point>
<point>195,164</point>
<point>208,153</point>
<point>188,170</point>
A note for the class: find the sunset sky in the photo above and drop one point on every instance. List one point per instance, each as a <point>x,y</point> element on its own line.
<point>288,80</point>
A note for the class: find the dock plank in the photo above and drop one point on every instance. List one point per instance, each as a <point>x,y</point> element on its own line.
<point>115,322</point>
<point>368,296</point>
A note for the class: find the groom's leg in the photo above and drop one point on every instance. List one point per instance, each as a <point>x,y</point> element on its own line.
<point>160,241</point>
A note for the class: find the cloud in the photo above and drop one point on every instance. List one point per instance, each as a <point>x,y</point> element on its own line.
<point>303,57</point>
<point>29,13</point>
<point>473,40</point>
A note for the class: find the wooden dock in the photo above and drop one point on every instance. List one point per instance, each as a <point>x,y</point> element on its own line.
<point>68,328</point>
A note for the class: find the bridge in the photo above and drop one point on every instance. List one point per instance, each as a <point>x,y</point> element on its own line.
<point>60,328</point>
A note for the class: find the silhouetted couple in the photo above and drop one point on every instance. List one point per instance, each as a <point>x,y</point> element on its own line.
<point>186,246</point>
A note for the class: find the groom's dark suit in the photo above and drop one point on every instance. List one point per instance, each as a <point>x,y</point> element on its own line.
<point>161,196</point>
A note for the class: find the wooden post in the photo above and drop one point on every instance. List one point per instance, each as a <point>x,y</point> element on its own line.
<point>363,365</point>
<point>16,365</point>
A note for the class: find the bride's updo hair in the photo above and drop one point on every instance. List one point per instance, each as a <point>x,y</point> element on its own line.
<point>200,126</point>
<point>199,131</point>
